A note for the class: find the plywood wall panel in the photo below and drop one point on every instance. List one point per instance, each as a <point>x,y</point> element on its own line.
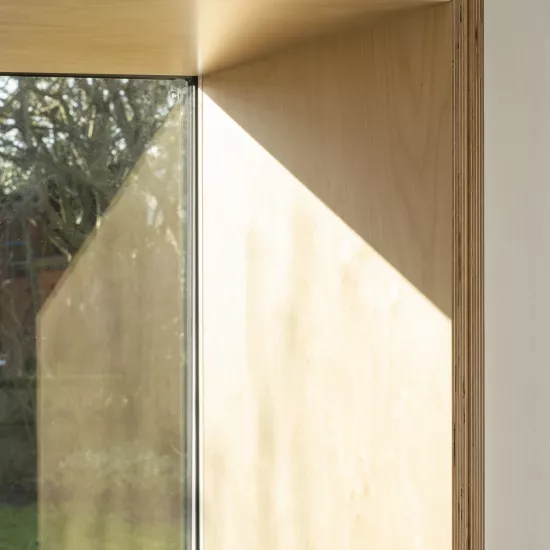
<point>327,251</point>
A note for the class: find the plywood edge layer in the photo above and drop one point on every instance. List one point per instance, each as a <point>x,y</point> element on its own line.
<point>468,291</point>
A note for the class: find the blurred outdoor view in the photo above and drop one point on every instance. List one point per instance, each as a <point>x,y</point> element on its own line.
<point>93,219</point>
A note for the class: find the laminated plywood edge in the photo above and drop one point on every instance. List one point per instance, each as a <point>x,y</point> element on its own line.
<point>468,273</point>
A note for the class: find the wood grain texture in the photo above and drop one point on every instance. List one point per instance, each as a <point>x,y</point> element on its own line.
<point>163,37</point>
<point>234,32</point>
<point>143,37</point>
<point>326,295</point>
<point>468,271</point>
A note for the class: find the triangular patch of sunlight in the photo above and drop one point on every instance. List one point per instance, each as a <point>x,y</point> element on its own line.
<point>327,374</point>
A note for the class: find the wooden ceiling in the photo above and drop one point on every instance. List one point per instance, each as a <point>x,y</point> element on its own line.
<point>163,37</point>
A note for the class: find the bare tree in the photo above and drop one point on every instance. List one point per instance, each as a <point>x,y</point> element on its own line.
<point>67,144</point>
<point>66,147</point>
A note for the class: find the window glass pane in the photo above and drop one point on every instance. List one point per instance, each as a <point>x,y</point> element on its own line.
<point>93,312</point>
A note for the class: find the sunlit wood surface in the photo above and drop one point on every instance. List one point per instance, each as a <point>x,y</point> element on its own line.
<point>327,287</point>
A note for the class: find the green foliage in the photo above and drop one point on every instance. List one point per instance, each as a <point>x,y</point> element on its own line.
<point>18,528</point>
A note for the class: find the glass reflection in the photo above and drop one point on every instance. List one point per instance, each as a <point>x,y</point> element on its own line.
<point>92,312</point>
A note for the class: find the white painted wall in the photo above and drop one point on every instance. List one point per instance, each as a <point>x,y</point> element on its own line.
<point>517,210</point>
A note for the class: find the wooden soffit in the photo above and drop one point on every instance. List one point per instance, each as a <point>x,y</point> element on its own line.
<point>163,37</point>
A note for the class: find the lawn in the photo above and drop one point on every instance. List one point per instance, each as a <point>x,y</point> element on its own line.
<point>18,531</point>
<point>18,528</point>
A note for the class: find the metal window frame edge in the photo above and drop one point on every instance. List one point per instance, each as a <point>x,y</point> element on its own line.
<point>193,527</point>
